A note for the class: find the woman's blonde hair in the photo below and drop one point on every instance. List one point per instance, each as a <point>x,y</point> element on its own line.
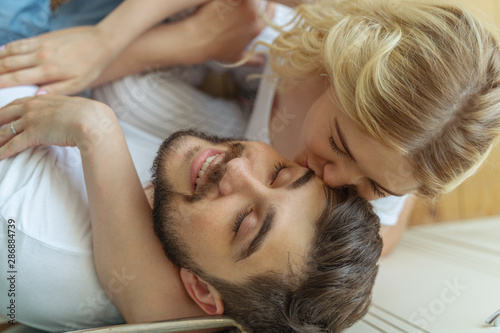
<point>421,77</point>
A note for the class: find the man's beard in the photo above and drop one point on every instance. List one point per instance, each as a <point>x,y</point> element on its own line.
<point>166,217</point>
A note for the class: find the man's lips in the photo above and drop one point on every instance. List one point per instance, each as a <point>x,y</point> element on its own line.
<point>199,160</point>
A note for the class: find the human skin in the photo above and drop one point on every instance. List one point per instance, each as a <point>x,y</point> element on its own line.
<point>257,183</point>
<point>325,132</point>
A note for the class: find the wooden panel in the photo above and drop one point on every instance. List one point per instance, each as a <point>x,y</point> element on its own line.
<point>488,9</point>
<point>477,197</point>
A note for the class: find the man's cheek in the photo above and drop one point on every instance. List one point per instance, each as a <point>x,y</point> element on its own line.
<point>208,255</point>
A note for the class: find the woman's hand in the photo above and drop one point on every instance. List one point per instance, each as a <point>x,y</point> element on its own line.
<point>62,62</point>
<point>53,120</point>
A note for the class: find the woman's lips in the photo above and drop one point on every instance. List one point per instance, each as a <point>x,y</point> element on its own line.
<point>198,162</point>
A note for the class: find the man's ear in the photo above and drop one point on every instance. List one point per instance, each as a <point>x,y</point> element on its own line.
<point>202,292</point>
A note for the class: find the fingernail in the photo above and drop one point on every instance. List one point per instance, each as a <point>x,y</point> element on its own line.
<point>2,47</point>
<point>41,92</point>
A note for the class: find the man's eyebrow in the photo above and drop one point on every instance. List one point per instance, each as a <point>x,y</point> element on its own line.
<point>268,223</point>
<point>302,180</point>
<point>342,140</point>
<point>256,243</point>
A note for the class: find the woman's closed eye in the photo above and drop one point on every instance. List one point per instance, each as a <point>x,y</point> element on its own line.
<point>376,190</point>
<point>336,149</point>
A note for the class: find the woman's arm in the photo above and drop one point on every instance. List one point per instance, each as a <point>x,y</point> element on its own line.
<point>132,17</point>
<point>208,34</point>
<point>69,60</point>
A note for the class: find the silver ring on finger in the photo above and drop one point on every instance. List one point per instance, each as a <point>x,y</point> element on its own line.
<point>12,128</point>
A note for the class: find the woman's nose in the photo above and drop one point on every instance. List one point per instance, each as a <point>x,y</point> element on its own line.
<point>335,172</point>
<point>336,175</point>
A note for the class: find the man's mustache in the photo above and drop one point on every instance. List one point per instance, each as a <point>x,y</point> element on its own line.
<point>214,175</point>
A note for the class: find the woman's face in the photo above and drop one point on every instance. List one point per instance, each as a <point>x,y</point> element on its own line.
<point>337,151</point>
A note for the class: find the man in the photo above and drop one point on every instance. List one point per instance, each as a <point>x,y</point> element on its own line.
<point>250,234</point>
<point>249,243</point>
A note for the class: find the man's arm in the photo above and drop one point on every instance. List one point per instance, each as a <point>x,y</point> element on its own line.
<point>122,228</point>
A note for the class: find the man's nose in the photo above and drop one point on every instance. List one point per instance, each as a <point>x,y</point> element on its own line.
<point>239,176</point>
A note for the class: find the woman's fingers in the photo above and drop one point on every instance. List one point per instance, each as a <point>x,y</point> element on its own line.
<point>21,46</point>
<point>10,130</point>
<point>15,145</point>
<point>33,75</point>
<point>17,62</point>
<point>66,87</point>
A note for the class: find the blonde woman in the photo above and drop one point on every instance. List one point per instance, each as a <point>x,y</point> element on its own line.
<point>395,97</point>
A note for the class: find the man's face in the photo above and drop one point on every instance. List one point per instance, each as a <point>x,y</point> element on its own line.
<point>252,210</point>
